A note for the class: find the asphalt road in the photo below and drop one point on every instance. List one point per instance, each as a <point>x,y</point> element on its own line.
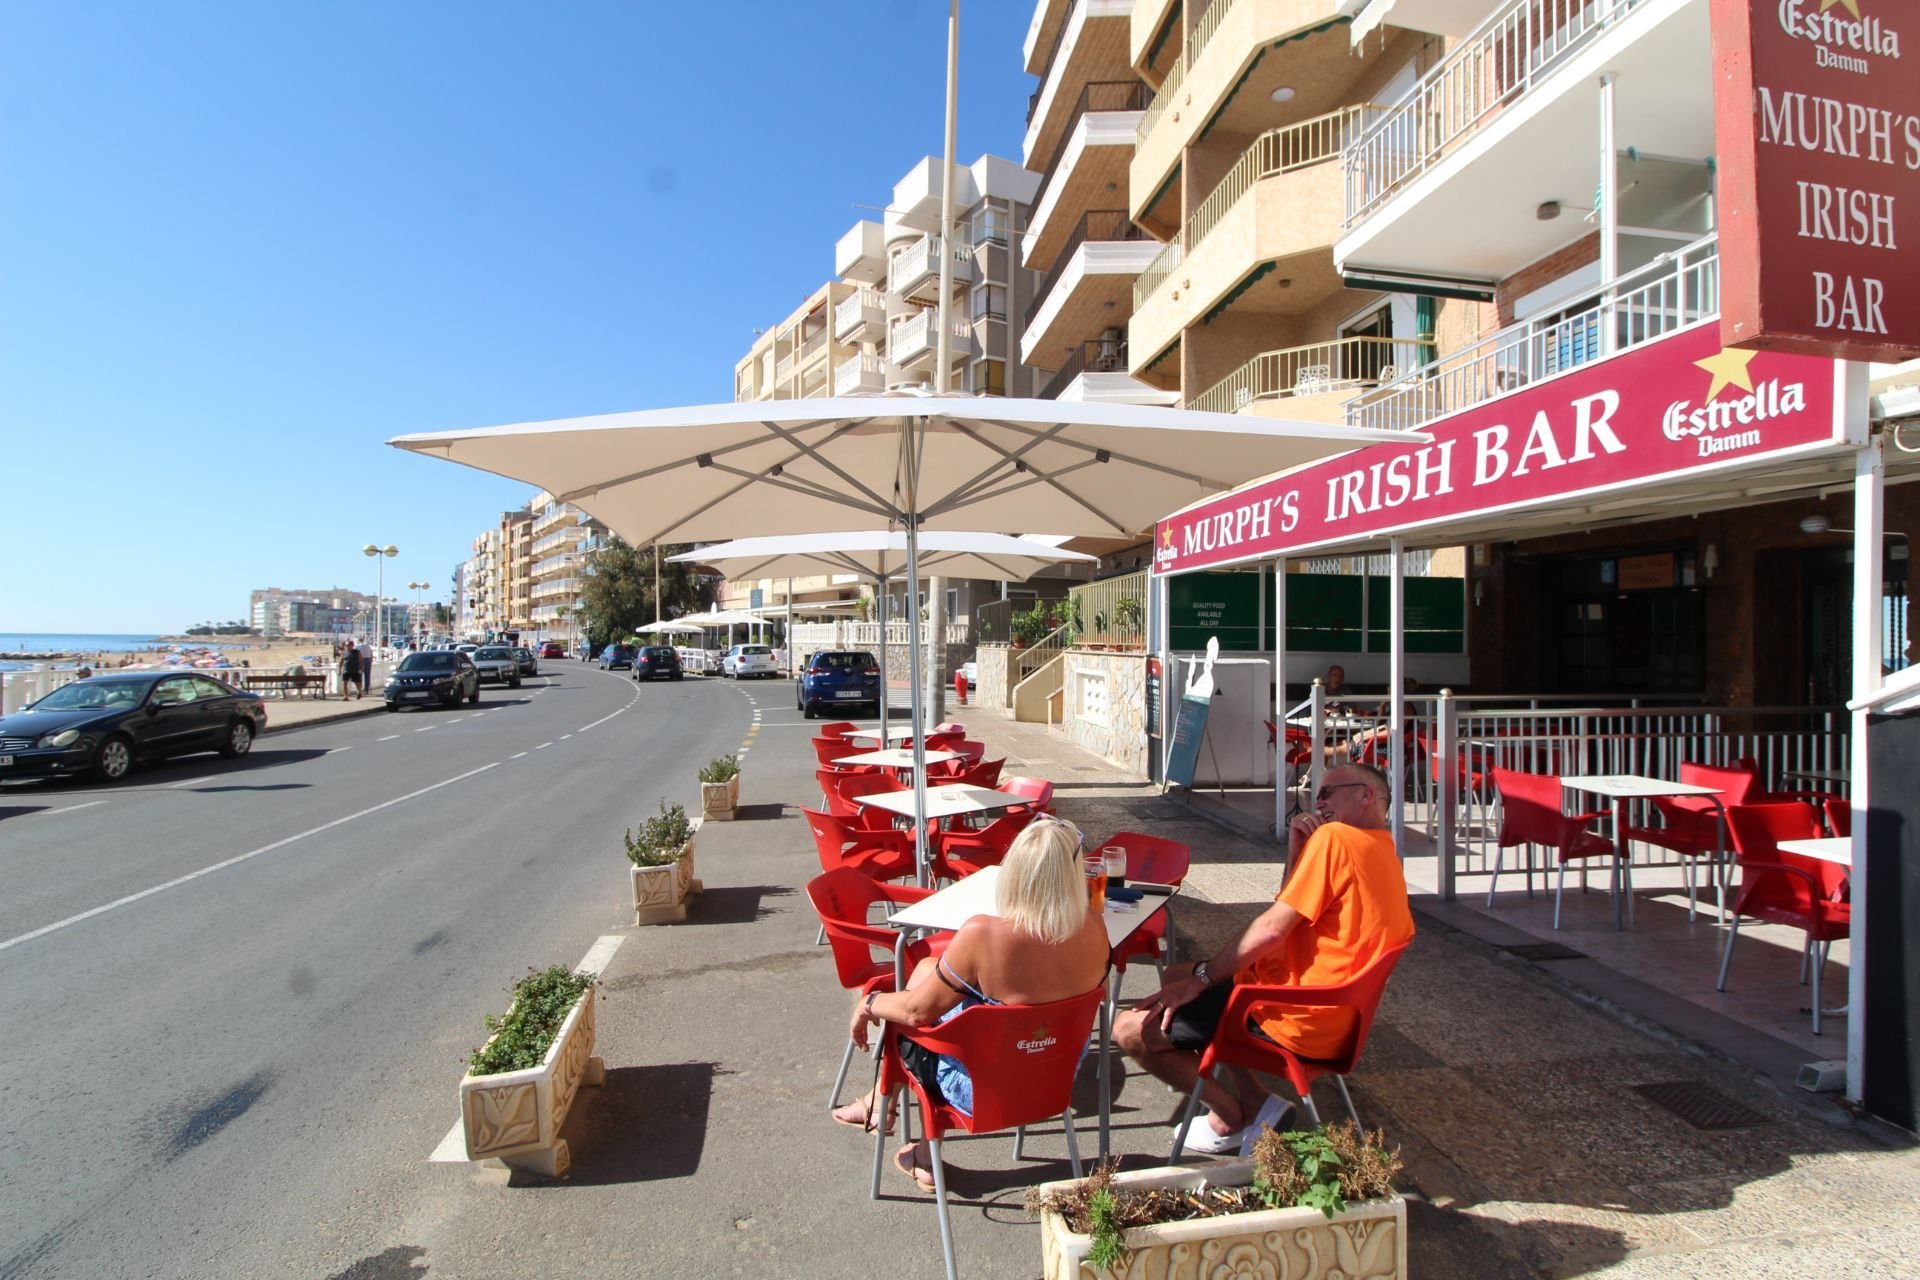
<point>237,995</point>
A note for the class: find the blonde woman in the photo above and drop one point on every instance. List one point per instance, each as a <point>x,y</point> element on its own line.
<point>1043,945</point>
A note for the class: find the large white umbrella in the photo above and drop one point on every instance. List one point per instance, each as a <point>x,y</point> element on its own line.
<point>882,556</point>
<point>668,628</point>
<point>713,472</point>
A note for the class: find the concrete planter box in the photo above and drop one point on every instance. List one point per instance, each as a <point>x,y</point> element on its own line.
<point>660,893</point>
<point>1367,1241</point>
<point>718,800</point>
<point>516,1115</point>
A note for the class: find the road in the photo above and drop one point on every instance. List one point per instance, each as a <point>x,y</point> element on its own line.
<point>237,995</point>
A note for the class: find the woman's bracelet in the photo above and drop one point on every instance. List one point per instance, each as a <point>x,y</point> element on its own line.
<point>866,1006</point>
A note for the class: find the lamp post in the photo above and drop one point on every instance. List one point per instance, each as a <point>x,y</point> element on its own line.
<point>419,609</point>
<point>380,581</point>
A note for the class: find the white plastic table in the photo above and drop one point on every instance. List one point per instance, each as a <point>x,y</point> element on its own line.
<point>954,800</point>
<point>893,733</point>
<point>1836,849</point>
<point>897,758</point>
<point>1622,787</point>
<point>961,901</point>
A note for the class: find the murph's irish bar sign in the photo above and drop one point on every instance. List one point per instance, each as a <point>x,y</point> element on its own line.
<point>1679,407</point>
<point>1817,131</point>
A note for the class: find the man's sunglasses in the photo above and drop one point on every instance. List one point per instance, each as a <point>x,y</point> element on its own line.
<point>1321,794</point>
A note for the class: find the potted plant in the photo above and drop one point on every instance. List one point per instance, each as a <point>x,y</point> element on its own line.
<point>1310,1204</point>
<point>520,1083</point>
<point>1030,627</point>
<point>1129,616</point>
<point>662,857</point>
<point>720,788</point>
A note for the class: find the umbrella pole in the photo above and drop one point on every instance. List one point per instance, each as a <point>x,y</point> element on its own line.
<point>880,590</point>
<point>913,657</point>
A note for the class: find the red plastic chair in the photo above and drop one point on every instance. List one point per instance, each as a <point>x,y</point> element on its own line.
<point>1760,795</point>
<point>840,800</point>
<point>948,741</point>
<point>972,752</point>
<point>985,774</point>
<point>838,729</point>
<point>1786,888</point>
<point>1150,860</point>
<point>1022,1060</point>
<point>950,727</point>
<point>1690,825</point>
<point>958,854</point>
<point>1530,814</point>
<point>878,855</point>
<point>828,750</point>
<point>1236,1043</point>
<point>1839,815</point>
<point>844,900</point>
<point>1038,790</point>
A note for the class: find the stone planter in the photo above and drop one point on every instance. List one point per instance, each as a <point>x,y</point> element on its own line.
<point>1367,1242</point>
<point>516,1115</point>
<point>719,799</point>
<point>660,893</point>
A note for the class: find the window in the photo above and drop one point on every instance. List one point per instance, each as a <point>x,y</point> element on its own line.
<point>989,302</point>
<point>988,377</point>
<point>990,226</point>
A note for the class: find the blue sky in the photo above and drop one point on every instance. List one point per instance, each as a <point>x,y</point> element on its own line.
<point>243,244</point>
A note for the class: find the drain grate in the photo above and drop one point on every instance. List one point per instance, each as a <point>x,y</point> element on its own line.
<point>1700,1106</point>
<point>1160,810</point>
<point>1545,951</point>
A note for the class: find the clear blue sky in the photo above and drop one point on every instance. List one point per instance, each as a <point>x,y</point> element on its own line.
<point>242,244</point>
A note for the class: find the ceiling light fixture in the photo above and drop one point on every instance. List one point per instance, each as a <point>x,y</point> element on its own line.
<point>1547,211</point>
<point>1283,94</point>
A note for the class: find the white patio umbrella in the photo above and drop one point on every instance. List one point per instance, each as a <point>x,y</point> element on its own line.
<point>663,627</point>
<point>713,472</point>
<point>881,557</point>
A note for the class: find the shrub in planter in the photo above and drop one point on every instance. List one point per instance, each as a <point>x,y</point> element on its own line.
<point>520,1083</point>
<point>1310,1204</point>
<point>662,872</point>
<point>720,787</point>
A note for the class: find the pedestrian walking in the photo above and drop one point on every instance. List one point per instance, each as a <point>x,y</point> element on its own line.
<point>366,665</point>
<point>349,669</point>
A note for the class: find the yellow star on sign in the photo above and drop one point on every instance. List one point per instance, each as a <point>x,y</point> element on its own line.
<point>1166,537</point>
<point>1851,6</point>
<point>1729,368</point>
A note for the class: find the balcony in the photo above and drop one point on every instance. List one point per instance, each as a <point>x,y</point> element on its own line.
<point>563,538</point>
<point>552,587</point>
<point>1091,45</point>
<point>1488,162</point>
<point>1310,383</point>
<point>555,514</point>
<point>865,372</point>
<point>915,274</point>
<point>1043,35</point>
<point>1259,240</point>
<point>912,345</point>
<point>861,316</point>
<point>861,254</point>
<point>1096,371</point>
<point>1676,290</point>
<point>564,563</point>
<point>1092,157</point>
<point>1091,283</point>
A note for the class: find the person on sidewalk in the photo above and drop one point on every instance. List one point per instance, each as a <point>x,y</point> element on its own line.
<point>1344,903</point>
<point>366,667</point>
<point>349,669</point>
<point>1045,944</point>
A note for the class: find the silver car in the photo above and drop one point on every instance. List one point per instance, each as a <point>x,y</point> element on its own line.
<point>497,663</point>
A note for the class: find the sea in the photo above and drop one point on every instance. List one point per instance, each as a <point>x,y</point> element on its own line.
<point>50,642</point>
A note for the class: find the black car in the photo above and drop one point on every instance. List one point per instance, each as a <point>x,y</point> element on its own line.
<point>529,665</point>
<point>838,678</point>
<point>444,676</point>
<point>105,723</point>
<point>615,656</point>
<point>657,662</point>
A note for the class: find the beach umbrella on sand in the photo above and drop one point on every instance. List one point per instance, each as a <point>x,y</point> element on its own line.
<point>881,558</point>
<point>713,472</point>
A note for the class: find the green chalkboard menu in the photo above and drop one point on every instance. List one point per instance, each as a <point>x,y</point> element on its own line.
<point>1323,612</point>
<point>1203,605</point>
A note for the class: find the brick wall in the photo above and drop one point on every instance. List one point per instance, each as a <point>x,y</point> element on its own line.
<point>1543,272</point>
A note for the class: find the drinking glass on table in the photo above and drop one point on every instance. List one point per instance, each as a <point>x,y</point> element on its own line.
<point>1095,867</point>
<point>1116,860</point>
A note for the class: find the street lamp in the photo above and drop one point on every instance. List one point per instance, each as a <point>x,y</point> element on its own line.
<point>419,608</point>
<point>380,581</point>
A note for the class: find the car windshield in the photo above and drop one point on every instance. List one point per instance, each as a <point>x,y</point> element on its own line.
<point>755,651</point>
<point>493,654</point>
<point>657,651</point>
<point>842,661</point>
<point>437,661</point>
<point>89,695</point>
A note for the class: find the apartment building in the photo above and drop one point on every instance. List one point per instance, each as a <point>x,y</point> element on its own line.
<point>560,536</point>
<point>799,357</point>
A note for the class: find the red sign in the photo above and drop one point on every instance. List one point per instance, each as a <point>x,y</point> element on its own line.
<point>1819,176</point>
<point>1680,406</point>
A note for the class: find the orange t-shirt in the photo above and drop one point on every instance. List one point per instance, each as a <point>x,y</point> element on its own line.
<point>1350,888</point>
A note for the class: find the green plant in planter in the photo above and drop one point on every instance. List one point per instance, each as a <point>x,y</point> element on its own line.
<point>661,838</point>
<point>1031,626</point>
<point>720,769</point>
<point>1128,615</point>
<point>541,1002</point>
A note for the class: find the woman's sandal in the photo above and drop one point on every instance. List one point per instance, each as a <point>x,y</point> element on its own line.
<point>903,1161</point>
<point>862,1119</point>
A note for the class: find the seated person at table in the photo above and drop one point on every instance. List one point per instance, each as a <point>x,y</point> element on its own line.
<point>1345,902</point>
<point>1043,945</point>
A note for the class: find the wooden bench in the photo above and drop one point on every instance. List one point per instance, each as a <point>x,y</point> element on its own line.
<point>287,685</point>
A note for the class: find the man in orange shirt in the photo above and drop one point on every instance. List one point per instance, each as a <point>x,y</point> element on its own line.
<point>1345,902</point>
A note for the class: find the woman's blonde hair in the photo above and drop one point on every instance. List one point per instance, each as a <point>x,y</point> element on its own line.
<point>1042,889</point>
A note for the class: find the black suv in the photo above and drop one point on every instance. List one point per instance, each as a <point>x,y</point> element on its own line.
<point>438,675</point>
<point>657,662</point>
<point>837,678</point>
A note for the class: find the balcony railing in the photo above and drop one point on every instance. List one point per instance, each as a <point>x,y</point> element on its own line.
<point>919,260</point>
<point>1208,24</point>
<point>783,370</point>
<point>1096,355</point>
<point>554,564</point>
<point>1673,291</point>
<point>862,372</point>
<point>1310,371</point>
<point>811,347</point>
<point>850,310</point>
<point>1162,266</point>
<point>563,538</point>
<point>1278,151</point>
<point>1101,225</point>
<point>1162,98</point>
<point>1046,68</point>
<point>914,337</point>
<point>1112,612</point>
<point>1489,70</point>
<point>555,587</point>
<point>1101,95</point>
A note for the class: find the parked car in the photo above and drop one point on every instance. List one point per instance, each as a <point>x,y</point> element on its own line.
<point>615,656</point>
<point>745,660</point>
<point>838,678</point>
<point>496,662</point>
<point>105,723</point>
<point>553,649</point>
<point>529,666</point>
<point>445,676</point>
<point>657,662</point>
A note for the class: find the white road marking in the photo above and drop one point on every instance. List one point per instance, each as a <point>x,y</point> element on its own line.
<point>565,736</point>
<point>72,807</point>
<point>453,1147</point>
<point>389,738</point>
<point>426,728</point>
<point>516,755</point>
<point>543,746</point>
<point>337,750</point>
<point>175,786</point>
<point>282,843</point>
<point>476,715</point>
<point>456,720</point>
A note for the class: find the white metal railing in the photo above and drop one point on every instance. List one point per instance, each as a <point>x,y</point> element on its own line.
<point>813,343</point>
<point>555,587</point>
<point>855,370</point>
<point>850,311</point>
<point>1520,45</point>
<point>1674,291</point>
<point>1208,24</point>
<point>1162,99</point>
<point>848,633</point>
<point>919,260</point>
<point>914,336</point>
<point>564,538</point>
<point>553,564</point>
<point>1158,270</point>
<point>1309,371</point>
<point>783,370</point>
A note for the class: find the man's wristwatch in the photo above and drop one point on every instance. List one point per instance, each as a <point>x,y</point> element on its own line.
<point>1200,972</point>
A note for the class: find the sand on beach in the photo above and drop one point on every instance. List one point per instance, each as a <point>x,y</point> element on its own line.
<point>260,655</point>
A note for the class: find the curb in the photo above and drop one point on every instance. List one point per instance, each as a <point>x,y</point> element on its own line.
<point>334,717</point>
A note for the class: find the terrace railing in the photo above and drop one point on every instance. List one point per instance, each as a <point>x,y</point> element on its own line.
<point>1113,611</point>
<point>1099,225</point>
<point>1101,95</point>
<point>1098,355</point>
<point>1309,370</point>
<point>1162,98</point>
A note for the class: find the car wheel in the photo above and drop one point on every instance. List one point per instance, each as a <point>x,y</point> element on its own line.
<point>392,707</point>
<point>676,675</point>
<point>114,759</point>
<point>239,739</point>
<point>475,695</point>
<point>514,683</point>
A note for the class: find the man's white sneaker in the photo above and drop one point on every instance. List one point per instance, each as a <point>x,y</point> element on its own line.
<point>1202,1140</point>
